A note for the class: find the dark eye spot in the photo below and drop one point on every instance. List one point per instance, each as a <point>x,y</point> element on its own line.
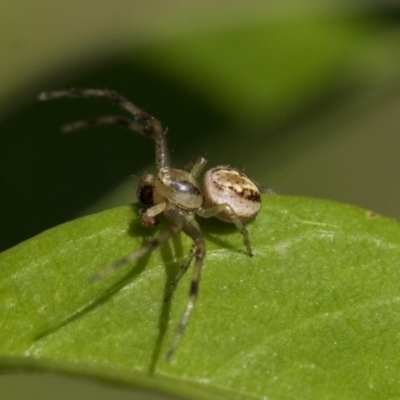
<point>145,194</point>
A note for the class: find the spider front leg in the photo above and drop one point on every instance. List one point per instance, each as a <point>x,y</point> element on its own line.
<point>118,120</point>
<point>111,95</point>
<point>143,123</point>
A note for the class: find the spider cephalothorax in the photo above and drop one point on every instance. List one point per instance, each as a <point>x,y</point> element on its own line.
<point>225,193</point>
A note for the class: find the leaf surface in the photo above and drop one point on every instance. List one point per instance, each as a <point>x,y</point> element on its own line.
<point>314,314</point>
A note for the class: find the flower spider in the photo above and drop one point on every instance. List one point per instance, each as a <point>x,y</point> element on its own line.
<point>226,194</point>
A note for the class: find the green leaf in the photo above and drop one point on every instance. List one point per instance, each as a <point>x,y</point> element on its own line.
<point>314,314</point>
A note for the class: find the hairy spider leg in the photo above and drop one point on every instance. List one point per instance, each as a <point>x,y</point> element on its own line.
<point>145,124</point>
<point>104,120</point>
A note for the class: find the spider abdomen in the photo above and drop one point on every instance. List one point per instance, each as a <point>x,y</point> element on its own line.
<point>224,185</point>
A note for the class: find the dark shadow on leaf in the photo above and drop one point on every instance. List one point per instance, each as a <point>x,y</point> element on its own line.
<point>170,251</point>
<point>213,229</point>
<point>135,229</point>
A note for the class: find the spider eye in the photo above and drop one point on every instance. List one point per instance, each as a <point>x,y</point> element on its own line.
<point>145,194</point>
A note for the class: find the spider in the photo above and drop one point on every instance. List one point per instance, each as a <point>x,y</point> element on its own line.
<point>226,194</point>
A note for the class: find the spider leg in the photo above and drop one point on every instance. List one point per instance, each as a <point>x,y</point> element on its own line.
<point>111,95</point>
<point>195,166</point>
<point>148,248</point>
<point>150,126</point>
<point>199,251</point>
<point>104,120</point>
<point>224,208</point>
<point>184,267</point>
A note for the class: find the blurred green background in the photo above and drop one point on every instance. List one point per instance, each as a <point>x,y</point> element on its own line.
<point>302,95</point>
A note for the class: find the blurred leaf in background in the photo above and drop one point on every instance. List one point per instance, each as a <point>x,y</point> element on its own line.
<point>302,95</point>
